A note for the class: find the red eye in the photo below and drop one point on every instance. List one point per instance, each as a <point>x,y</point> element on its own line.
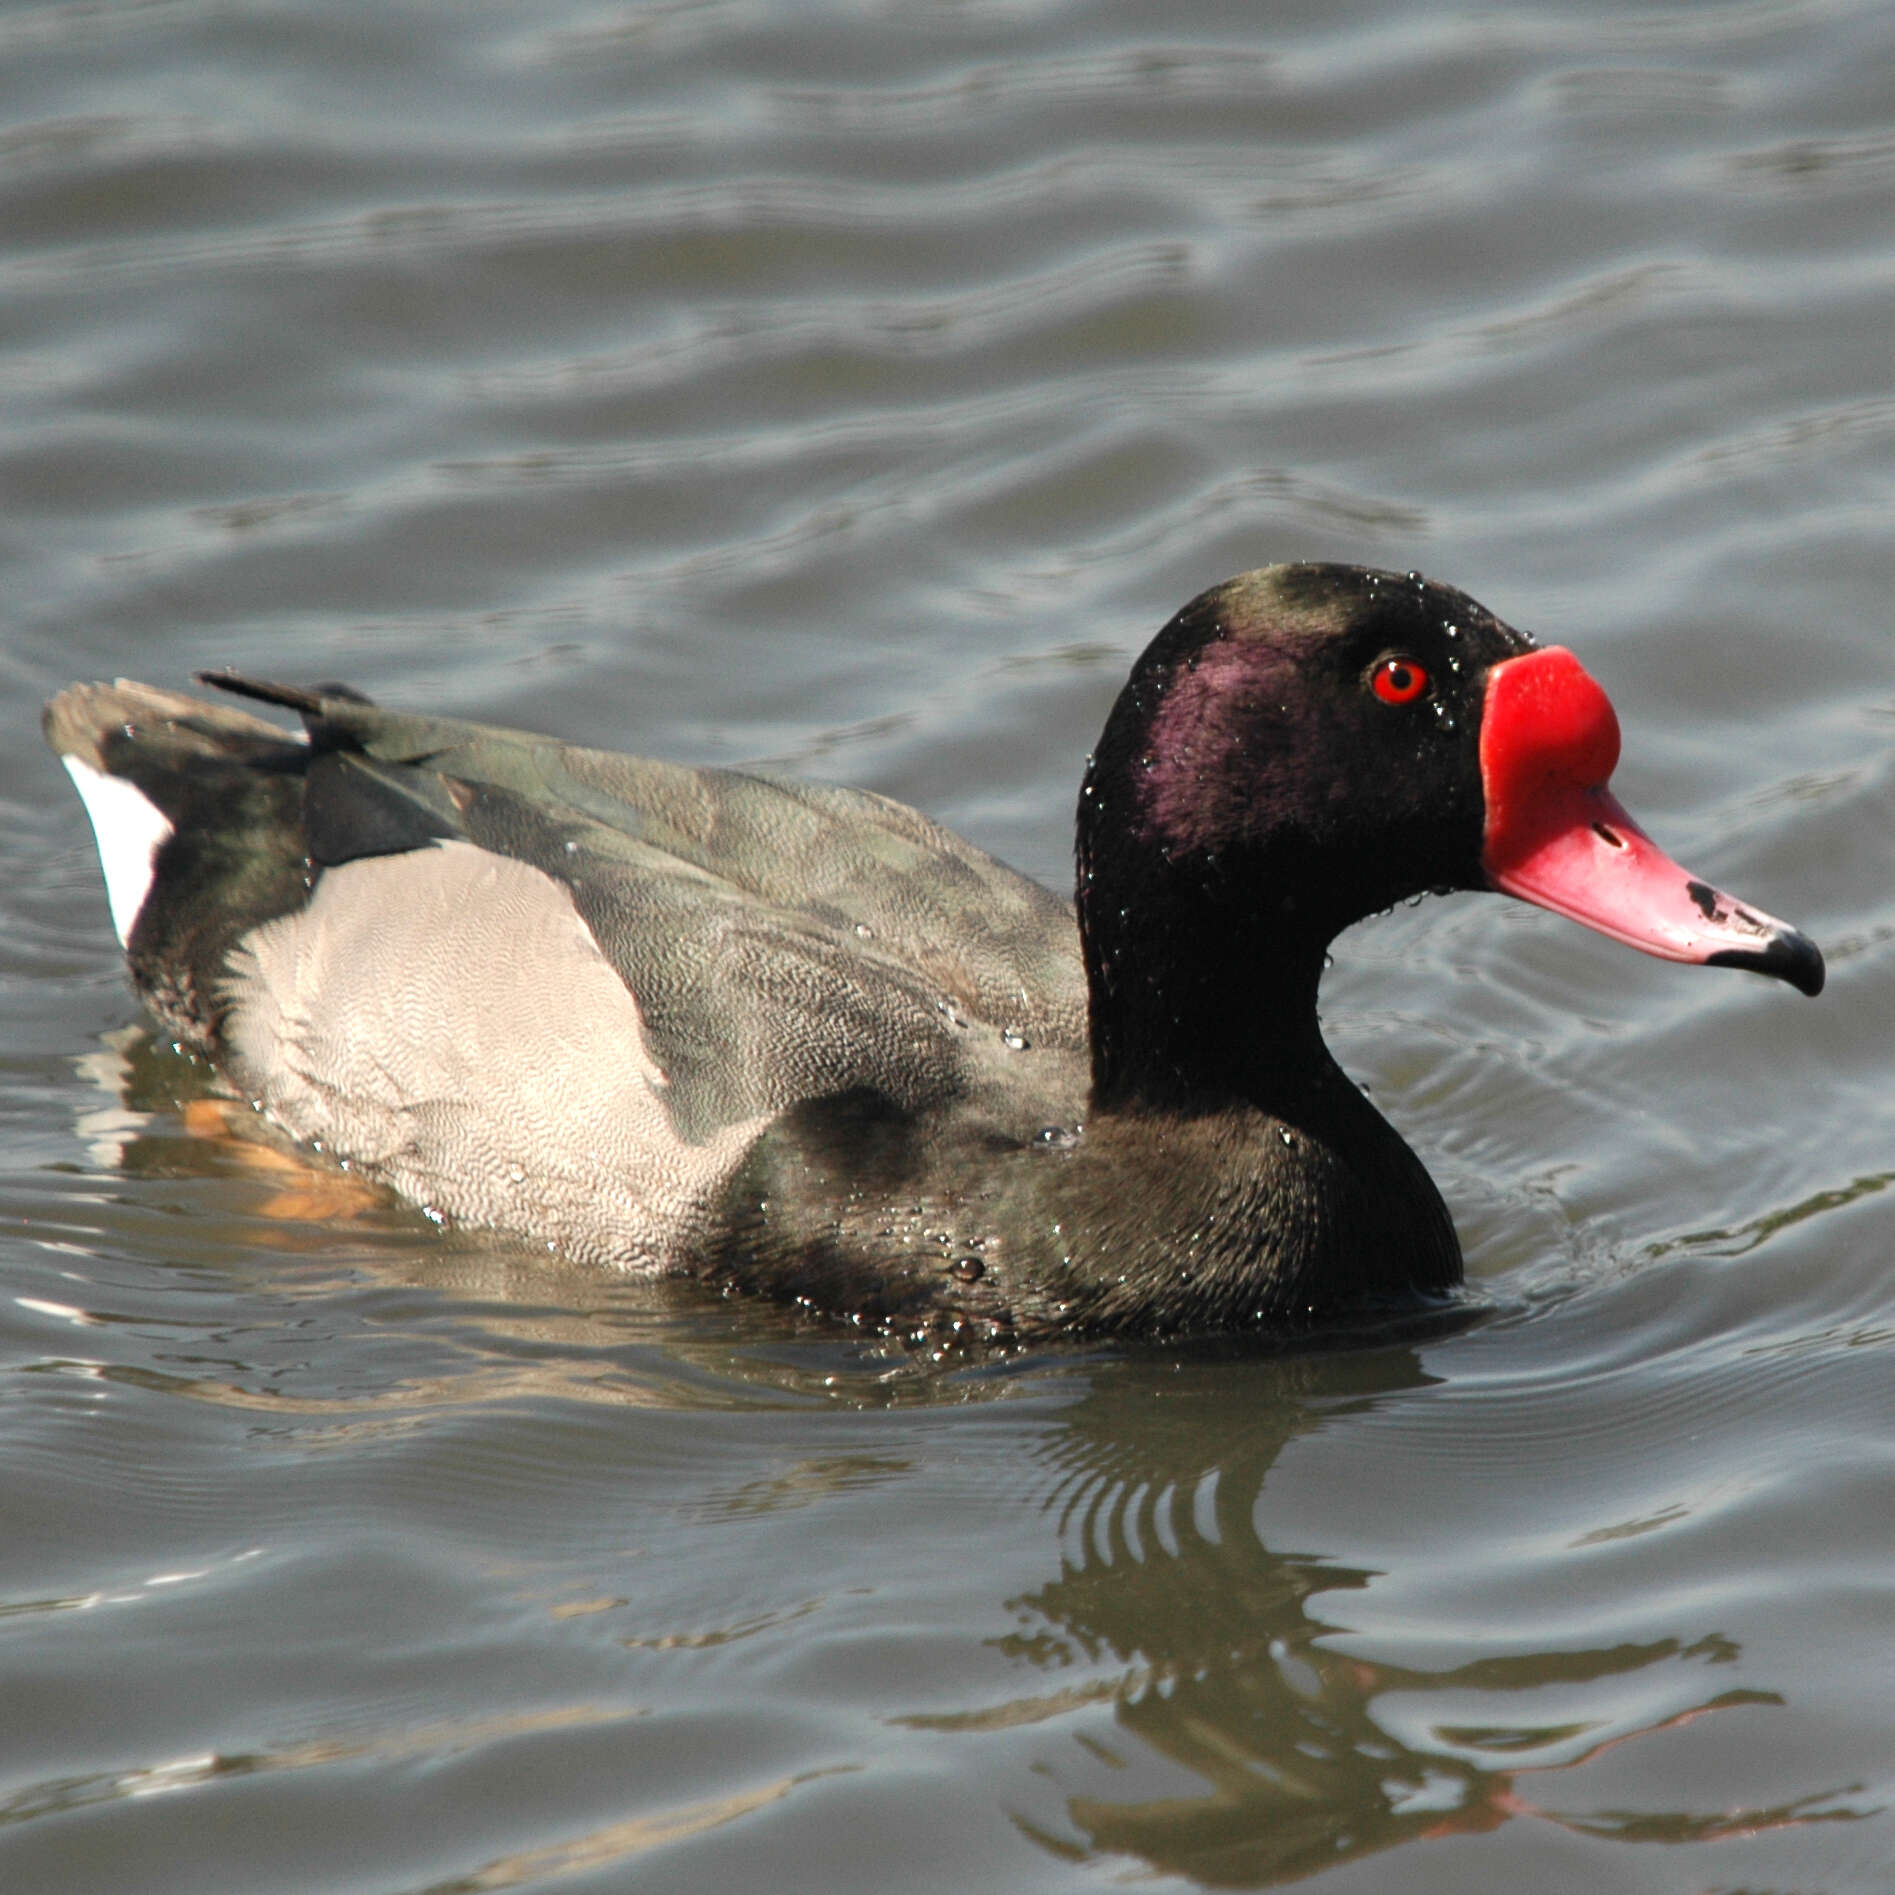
<point>1398,680</point>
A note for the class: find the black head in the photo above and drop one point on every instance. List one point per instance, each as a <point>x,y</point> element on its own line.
<point>1317,718</point>
<point>1298,748</point>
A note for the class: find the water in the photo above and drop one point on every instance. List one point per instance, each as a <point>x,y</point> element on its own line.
<point>856,389</point>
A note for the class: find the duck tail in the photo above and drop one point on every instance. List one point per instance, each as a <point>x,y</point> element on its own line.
<point>308,701</point>
<point>197,810</point>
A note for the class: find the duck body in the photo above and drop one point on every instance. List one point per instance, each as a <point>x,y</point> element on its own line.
<point>799,1039</point>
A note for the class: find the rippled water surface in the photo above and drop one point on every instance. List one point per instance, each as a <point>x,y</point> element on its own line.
<point>856,388</point>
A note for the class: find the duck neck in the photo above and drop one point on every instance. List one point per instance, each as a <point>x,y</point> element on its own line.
<point>1197,999</point>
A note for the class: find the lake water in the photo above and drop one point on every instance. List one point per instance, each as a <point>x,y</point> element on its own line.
<point>856,388</point>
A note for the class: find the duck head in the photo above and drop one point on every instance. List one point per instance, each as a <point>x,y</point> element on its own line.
<point>1309,744</point>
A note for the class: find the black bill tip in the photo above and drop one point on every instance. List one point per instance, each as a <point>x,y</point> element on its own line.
<point>1786,954</point>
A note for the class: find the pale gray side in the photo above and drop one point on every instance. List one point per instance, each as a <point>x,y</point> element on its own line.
<point>444,1020</point>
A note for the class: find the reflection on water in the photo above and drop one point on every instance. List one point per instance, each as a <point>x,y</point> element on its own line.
<point>1311,1756</point>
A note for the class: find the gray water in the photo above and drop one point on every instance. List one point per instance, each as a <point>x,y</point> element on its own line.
<point>856,388</point>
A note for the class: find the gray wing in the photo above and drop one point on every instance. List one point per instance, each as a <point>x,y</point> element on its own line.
<point>784,940</point>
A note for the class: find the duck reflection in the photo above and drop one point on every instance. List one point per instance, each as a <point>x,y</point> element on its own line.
<point>1232,1674</point>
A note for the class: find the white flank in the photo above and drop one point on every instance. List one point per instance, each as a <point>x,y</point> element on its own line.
<point>131,829</point>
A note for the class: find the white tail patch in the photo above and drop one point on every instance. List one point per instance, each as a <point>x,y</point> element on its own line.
<point>131,829</point>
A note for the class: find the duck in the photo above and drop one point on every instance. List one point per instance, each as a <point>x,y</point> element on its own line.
<point>797,1039</point>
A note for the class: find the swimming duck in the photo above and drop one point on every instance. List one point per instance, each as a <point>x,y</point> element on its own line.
<point>799,1039</point>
